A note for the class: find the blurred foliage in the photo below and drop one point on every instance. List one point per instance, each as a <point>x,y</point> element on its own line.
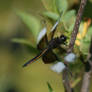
<point>26,43</point>
<point>52,13</point>
<point>12,58</point>
<point>67,16</point>
<point>49,87</point>
<point>85,34</point>
<point>32,23</point>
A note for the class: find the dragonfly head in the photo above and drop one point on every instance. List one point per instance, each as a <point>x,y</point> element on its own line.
<point>63,38</point>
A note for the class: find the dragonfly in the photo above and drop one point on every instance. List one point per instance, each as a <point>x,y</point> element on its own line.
<point>46,47</point>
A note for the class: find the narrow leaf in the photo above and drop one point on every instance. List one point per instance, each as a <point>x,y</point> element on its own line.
<point>49,5</point>
<point>22,41</point>
<point>49,87</point>
<point>68,15</point>
<point>27,43</point>
<point>62,5</point>
<point>51,15</point>
<point>32,23</point>
<point>69,20</point>
<point>76,82</point>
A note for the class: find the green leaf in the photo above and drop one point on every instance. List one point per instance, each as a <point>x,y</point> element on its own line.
<point>69,20</point>
<point>68,15</point>
<point>23,41</point>
<point>84,47</point>
<point>89,33</point>
<point>81,27</point>
<point>85,42</point>
<point>49,5</point>
<point>49,87</point>
<point>62,5</point>
<point>51,15</point>
<point>76,81</point>
<point>32,23</point>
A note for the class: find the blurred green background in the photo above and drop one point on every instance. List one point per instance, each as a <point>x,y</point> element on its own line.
<point>14,78</point>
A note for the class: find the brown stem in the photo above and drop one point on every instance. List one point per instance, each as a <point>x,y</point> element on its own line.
<point>76,26</point>
<point>87,75</point>
<point>66,81</point>
<point>86,81</point>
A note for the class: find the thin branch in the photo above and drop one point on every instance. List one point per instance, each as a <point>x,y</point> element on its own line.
<point>66,81</point>
<point>88,73</point>
<point>76,26</point>
<point>86,81</point>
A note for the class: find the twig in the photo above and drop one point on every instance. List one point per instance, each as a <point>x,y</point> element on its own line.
<point>66,81</point>
<point>86,81</point>
<point>88,73</point>
<point>76,26</point>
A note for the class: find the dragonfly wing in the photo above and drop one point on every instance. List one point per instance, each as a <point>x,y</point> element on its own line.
<point>53,30</point>
<point>61,49</point>
<point>42,43</point>
<point>49,57</point>
<point>35,58</point>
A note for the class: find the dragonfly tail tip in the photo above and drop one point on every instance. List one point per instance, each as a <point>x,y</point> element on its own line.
<point>24,65</point>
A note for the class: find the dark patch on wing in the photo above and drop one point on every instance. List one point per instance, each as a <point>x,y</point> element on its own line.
<point>43,43</point>
<point>49,57</point>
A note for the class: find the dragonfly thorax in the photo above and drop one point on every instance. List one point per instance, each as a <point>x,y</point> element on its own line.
<point>54,43</point>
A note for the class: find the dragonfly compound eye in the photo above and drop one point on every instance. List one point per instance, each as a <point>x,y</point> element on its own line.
<point>63,38</point>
